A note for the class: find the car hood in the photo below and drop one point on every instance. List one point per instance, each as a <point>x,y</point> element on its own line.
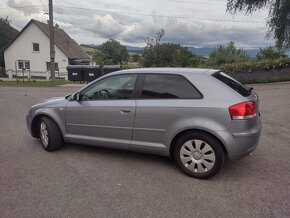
<point>52,102</point>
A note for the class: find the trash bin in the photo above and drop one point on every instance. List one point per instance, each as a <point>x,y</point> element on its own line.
<point>75,72</point>
<point>110,68</point>
<point>91,72</point>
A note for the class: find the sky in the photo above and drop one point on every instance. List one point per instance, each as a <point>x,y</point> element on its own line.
<point>198,23</point>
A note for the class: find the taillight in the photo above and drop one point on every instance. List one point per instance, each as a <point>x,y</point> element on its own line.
<point>243,111</point>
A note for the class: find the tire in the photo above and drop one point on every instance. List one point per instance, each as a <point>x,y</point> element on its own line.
<point>49,134</point>
<point>199,155</point>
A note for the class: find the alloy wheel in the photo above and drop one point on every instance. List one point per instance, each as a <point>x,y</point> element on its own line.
<point>197,156</point>
<point>44,134</point>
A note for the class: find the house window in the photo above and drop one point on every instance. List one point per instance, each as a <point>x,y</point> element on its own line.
<point>35,47</point>
<point>23,65</point>
<point>27,65</point>
<point>20,65</point>
<point>48,66</point>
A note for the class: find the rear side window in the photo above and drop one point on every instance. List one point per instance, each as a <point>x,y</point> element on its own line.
<point>164,86</point>
<point>234,84</point>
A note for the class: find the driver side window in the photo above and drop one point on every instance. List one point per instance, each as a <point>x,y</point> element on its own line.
<point>111,88</point>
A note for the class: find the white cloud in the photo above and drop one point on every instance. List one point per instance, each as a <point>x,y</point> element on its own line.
<point>132,21</point>
<point>21,6</point>
<point>105,26</point>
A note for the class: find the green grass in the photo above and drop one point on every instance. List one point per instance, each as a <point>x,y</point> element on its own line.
<point>87,49</point>
<point>52,83</point>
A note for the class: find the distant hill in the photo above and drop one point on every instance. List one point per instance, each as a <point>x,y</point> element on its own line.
<point>252,52</point>
<point>200,51</point>
<point>87,48</point>
<point>204,51</point>
<point>134,49</point>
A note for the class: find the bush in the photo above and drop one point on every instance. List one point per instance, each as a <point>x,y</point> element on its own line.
<point>249,66</point>
<point>166,55</point>
<point>269,53</point>
<point>228,54</point>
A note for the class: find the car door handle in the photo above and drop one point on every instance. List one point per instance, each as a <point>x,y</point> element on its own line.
<point>125,111</point>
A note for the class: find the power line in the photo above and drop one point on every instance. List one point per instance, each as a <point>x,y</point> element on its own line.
<point>25,6</point>
<point>156,15</point>
<point>143,14</point>
<point>201,2</point>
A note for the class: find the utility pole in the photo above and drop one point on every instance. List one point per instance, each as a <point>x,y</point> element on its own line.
<point>51,36</point>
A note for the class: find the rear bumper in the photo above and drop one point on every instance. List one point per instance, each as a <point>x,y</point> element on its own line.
<point>241,144</point>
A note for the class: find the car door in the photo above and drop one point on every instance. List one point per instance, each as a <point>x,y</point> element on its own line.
<point>104,114</point>
<point>164,101</point>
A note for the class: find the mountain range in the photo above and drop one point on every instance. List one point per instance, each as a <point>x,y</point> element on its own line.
<point>203,51</point>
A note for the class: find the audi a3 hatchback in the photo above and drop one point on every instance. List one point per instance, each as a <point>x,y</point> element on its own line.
<point>199,117</point>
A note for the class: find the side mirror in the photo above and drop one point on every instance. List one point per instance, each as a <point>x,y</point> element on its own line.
<point>76,97</point>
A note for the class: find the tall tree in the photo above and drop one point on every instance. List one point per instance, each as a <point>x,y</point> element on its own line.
<point>7,34</point>
<point>114,51</point>
<point>278,19</point>
<point>228,54</point>
<point>157,54</point>
<point>150,42</point>
<point>101,58</point>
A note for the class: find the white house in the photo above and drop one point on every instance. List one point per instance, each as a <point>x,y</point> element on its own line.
<point>30,50</point>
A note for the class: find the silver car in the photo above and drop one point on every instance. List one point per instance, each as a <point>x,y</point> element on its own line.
<point>199,117</point>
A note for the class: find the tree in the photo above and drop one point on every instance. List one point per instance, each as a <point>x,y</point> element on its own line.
<point>7,34</point>
<point>198,61</point>
<point>278,19</point>
<point>228,54</point>
<point>157,54</point>
<point>136,57</point>
<point>151,42</point>
<point>171,55</point>
<point>149,51</point>
<point>101,58</point>
<point>269,53</point>
<point>113,52</point>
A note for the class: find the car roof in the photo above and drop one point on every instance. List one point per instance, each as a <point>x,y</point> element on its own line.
<point>171,70</point>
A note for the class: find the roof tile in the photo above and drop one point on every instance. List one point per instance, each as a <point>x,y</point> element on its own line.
<point>63,41</point>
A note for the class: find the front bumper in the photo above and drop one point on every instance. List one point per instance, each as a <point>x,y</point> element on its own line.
<point>28,123</point>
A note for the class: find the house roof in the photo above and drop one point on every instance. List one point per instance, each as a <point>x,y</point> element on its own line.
<point>61,39</point>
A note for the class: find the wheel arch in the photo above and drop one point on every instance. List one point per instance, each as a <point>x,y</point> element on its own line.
<point>35,124</point>
<point>178,135</point>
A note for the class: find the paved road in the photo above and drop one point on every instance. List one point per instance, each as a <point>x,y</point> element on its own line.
<point>82,181</point>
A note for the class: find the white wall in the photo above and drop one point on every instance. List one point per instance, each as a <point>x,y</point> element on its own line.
<point>22,49</point>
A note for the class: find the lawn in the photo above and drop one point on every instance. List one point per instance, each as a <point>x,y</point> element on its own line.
<point>51,83</point>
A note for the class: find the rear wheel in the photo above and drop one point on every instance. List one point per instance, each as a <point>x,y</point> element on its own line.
<point>199,155</point>
<point>49,134</point>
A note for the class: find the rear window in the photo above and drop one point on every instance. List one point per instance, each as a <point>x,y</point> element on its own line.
<point>234,84</point>
<point>163,86</point>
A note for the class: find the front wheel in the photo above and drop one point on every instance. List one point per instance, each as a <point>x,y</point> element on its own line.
<point>49,134</point>
<point>199,155</point>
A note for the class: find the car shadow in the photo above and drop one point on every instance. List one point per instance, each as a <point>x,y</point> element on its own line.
<point>232,170</point>
<point>120,154</point>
